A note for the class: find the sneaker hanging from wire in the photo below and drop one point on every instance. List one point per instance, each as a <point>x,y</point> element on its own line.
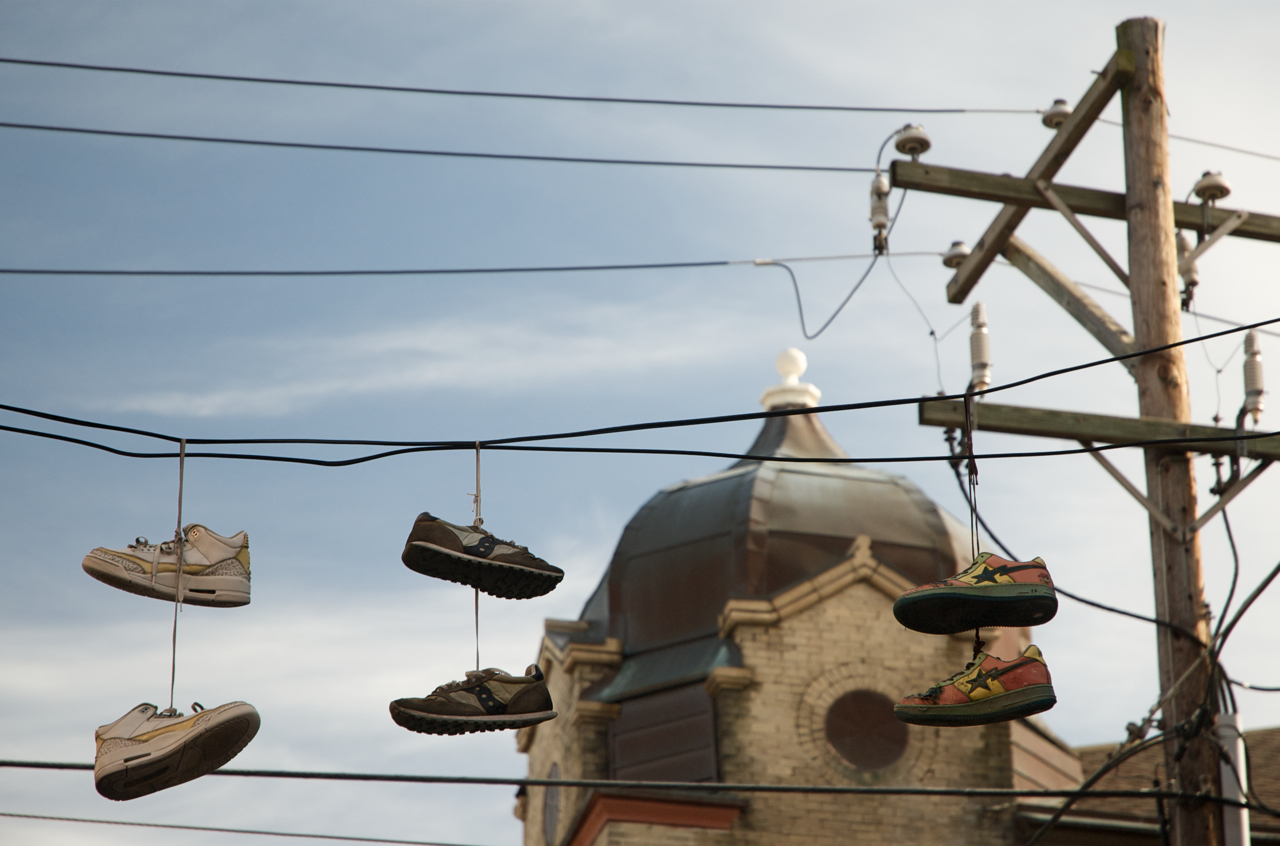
<point>471,556</point>
<point>987,690</point>
<point>992,592</point>
<point>487,700</point>
<point>215,570</point>
<point>148,750</point>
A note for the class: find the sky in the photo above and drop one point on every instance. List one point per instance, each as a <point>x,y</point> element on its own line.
<point>338,627</point>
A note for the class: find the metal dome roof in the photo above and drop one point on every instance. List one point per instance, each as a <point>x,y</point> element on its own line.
<point>759,527</point>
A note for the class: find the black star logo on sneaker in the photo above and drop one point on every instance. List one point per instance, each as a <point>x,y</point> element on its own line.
<point>981,679</point>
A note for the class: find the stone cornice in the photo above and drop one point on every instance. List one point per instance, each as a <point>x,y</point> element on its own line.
<point>576,654</point>
<point>860,566</point>
<point>728,678</point>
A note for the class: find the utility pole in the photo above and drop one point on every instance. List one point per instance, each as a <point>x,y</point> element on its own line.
<point>1190,766</point>
<point>1136,73</point>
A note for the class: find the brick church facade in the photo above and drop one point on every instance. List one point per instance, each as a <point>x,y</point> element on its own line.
<point>744,634</point>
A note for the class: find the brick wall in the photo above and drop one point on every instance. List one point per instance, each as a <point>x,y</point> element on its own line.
<point>773,731</point>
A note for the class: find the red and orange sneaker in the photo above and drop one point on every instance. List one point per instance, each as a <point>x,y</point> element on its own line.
<point>988,690</point>
<point>993,592</point>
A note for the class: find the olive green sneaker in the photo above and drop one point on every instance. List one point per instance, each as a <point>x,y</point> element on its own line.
<point>487,700</point>
<point>471,556</point>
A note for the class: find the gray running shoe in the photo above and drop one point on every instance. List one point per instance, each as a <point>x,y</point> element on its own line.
<point>471,556</point>
<point>145,750</point>
<point>487,700</point>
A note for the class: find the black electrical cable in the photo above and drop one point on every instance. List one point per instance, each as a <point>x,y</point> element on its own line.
<point>800,305</point>
<point>736,456</point>
<point>219,830</point>
<point>1221,640</point>
<point>447,271</point>
<point>405,151</point>
<point>438,271</point>
<point>702,421</point>
<point>1204,143</point>
<point>1235,572</point>
<point>643,101</point>
<point>1111,763</point>
<point>863,278</point>
<point>610,784</point>
<point>1256,687</point>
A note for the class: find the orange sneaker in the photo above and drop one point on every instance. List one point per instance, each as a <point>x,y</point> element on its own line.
<point>988,690</point>
<point>993,592</point>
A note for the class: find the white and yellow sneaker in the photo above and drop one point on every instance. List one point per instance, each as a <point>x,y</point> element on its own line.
<point>145,750</point>
<point>215,570</point>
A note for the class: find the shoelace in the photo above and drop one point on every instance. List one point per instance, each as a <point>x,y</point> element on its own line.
<point>156,549</point>
<point>196,708</point>
<point>472,676</point>
<point>481,531</point>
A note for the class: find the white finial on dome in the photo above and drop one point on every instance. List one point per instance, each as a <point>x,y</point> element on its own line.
<point>791,365</point>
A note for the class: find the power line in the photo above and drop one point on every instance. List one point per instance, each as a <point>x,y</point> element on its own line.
<point>403,89</point>
<point>1204,143</point>
<point>405,151</point>
<point>522,442</point>
<point>220,830</point>
<point>1224,321</point>
<point>696,453</point>
<point>609,784</point>
<point>446,271</point>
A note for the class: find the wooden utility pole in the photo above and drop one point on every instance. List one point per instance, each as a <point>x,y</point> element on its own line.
<point>1163,393</point>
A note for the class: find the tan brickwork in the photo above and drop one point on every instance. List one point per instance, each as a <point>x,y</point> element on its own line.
<point>772,731</point>
<point>577,743</point>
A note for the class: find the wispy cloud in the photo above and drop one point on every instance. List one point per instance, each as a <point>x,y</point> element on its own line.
<point>508,355</point>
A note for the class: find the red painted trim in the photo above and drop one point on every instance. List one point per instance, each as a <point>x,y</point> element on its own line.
<point>603,810</point>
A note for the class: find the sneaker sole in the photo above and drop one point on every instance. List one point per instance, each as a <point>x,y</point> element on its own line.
<point>208,591</point>
<point>496,578</point>
<point>994,709</point>
<point>424,723</point>
<point>198,753</point>
<point>959,609</point>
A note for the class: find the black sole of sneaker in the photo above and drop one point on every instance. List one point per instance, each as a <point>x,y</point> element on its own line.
<point>496,578</point>
<point>994,709</point>
<point>964,609</point>
<point>196,757</point>
<point>440,724</point>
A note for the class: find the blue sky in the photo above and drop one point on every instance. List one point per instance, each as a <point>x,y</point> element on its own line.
<point>338,627</point>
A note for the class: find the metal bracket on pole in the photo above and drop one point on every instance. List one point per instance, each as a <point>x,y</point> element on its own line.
<point>1065,210</point>
<point>1179,533</point>
<point>1226,497</point>
<point>1160,517</point>
<point>1223,230</point>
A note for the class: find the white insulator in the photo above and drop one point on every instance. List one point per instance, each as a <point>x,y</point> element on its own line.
<point>1212,187</point>
<point>1253,387</point>
<point>880,202</point>
<point>955,256</point>
<point>1187,269</point>
<point>980,348</point>
<point>1056,115</point>
<point>911,141</point>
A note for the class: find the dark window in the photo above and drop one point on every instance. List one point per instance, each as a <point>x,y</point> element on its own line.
<point>862,730</point>
<point>667,736</point>
<point>551,808</point>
